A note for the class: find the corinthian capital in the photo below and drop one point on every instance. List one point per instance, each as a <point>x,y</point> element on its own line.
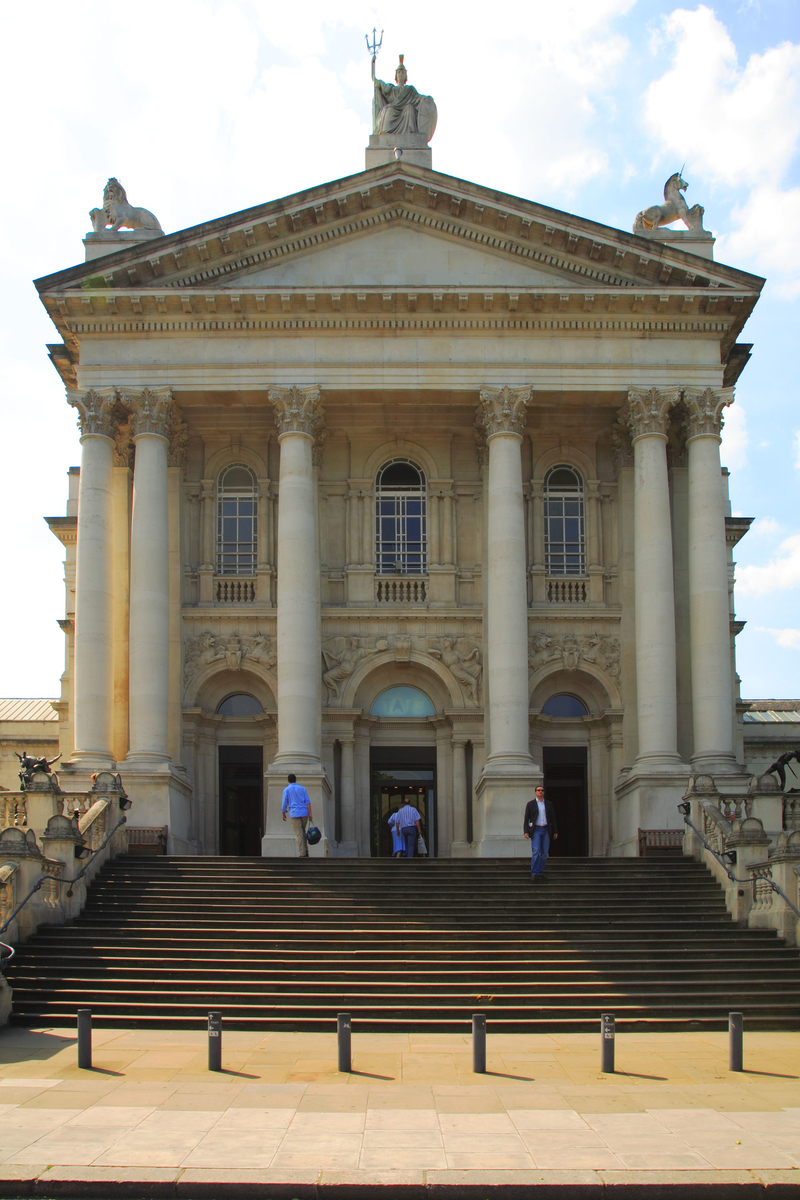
<point>648,412</point>
<point>151,411</point>
<point>502,410</point>
<point>704,417</point>
<point>297,410</point>
<point>95,410</point>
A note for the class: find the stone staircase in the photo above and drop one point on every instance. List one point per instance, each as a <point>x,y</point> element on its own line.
<point>285,943</point>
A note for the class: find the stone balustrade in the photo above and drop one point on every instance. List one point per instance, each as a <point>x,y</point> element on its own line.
<point>729,823</point>
<point>63,822</point>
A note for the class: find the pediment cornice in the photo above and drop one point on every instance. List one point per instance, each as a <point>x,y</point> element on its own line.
<point>505,225</point>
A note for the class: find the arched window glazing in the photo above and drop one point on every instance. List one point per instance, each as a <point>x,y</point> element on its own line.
<point>400,519</point>
<point>564,524</point>
<point>237,530</point>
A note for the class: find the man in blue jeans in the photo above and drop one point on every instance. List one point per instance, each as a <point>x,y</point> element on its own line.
<point>408,823</point>
<point>539,824</point>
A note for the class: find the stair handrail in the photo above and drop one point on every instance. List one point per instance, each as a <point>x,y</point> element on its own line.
<point>684,810</point>
<point>42,878</point>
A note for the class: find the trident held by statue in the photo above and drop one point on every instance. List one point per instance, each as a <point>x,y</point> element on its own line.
<point>374,48</point>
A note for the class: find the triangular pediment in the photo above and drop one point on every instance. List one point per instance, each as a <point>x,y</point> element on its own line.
<point>399,255</point>
<point>397,239</point>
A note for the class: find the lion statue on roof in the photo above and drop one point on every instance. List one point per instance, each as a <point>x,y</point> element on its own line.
<point>116,212</point>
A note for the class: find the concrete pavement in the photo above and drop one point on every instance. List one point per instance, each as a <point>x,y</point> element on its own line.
<point>150,1119</point>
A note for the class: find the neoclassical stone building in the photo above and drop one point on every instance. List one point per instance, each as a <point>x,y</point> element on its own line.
<point>401,484</point>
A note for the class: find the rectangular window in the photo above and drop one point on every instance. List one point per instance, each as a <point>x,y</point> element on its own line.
<point>564,535</point>
<point>400,534</point>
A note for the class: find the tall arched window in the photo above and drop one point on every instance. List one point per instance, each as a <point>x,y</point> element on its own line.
<point>400,519</point>
<point>237,499</point>
<point>564,526</point>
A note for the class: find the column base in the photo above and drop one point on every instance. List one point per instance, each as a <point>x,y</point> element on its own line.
<point>161,794</point>
<point>648,798</point>
<point>92,760</point>
<point>717,762</point>
<point>278,840</point>
<point>502,792</point>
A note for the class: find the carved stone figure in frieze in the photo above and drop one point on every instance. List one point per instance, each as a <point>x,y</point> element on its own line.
<point>463,659</point>
<point>570,649</point>
<point>206,648</point>
<point>200,651</point>
<point>342,655</point>
<point>117,212</point>
<point>261,649</point>
<point>674,208</point>
<point>541,650</point>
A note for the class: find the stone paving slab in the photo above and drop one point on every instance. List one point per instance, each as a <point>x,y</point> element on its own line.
<point>412,1120</point>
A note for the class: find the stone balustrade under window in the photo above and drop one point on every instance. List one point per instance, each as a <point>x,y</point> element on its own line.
<point>401,589</point>
<point>564,590</point>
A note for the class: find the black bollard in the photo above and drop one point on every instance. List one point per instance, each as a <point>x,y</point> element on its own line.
<point>215,1041</point>
<point>343,1030</point>
<point>479,1043</point>
<point>735,1048</point>
<point>85,1038</point>
<point>607,1034</point>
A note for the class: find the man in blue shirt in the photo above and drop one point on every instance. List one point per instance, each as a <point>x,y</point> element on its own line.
<point>407,822</point>
<point>297,803</point>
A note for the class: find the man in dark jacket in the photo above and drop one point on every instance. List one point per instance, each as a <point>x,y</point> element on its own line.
<point>540,826</point>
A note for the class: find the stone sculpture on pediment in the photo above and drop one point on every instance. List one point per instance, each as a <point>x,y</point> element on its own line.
<point>674,208</point>
<point>398,108</point>
<point>462,657</point>
<point>117,213</point>
<point>342,655</point>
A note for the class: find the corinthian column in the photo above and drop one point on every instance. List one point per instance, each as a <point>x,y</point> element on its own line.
<point>151,416</point>
<point>94,617</point>
<point>709,615</point>
<point>509,771</point>
<point>647,415</point>
<point>299,417</point>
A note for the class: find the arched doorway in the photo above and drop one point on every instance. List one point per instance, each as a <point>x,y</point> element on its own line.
<point>400,773</point>
<point>241,784</point>
<point>229,736</point>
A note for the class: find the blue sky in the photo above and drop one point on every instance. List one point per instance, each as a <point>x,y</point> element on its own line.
<point>203,108</point>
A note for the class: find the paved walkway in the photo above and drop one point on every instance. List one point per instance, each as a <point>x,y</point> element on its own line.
<point>150,1117</point>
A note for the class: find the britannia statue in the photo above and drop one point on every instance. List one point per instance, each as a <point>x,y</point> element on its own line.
<point>398,108</point>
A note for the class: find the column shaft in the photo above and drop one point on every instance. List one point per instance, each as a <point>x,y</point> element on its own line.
<point>149,610</point>
<point>712,685</point>
<point>94,604</point>
<point>507,623</point>
<point>655,603</point>
<point>297,618</point>
<point>459,791</point>
<point>348,784</point>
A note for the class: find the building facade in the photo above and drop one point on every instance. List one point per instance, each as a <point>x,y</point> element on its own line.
<point>400,484</point>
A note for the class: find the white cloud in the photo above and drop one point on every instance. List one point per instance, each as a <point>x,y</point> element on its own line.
<point>731,123</point>
<point>764,527</point>
<point>788,638</point>
<point>767,235</point>
<point>735,437</point>
<point>781,572</point>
